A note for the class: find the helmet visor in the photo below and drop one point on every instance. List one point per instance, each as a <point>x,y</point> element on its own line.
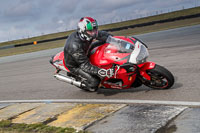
<point>92,33</point>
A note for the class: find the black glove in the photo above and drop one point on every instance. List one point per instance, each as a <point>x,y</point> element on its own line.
<point>106,72</point>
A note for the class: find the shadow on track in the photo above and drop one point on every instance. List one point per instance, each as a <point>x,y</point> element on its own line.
<point>110,92</point>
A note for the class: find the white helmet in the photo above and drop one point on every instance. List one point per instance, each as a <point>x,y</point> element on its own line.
<point>88,28</point>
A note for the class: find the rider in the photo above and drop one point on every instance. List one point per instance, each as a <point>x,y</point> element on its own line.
<point>76,52</point>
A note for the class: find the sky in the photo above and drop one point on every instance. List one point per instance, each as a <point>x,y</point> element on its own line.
<point>28,18</point>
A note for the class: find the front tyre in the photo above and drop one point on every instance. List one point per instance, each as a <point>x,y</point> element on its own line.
<point>161,78</point>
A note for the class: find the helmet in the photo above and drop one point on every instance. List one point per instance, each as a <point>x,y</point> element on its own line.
<point>88,28</point>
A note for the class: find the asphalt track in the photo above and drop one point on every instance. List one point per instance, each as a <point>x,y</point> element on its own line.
<point>30,76</point>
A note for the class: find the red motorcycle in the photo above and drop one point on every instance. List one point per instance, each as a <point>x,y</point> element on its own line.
<point>127,56</point>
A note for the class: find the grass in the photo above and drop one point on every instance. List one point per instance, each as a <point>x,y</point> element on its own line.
<point>32,48</point>
<point>38,38</point>
<point>7,127</point>
<point>132,31</point>
<point>175,14</point>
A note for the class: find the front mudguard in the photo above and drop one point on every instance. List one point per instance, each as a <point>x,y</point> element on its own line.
<point>146,66</point>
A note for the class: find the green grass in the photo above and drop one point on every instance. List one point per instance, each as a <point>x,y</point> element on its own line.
<point>7,127</point>
<point>32,48</point>
<point>38,38</point>
<point>175,14</point>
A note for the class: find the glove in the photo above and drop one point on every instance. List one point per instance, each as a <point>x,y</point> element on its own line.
<point>106,72</point>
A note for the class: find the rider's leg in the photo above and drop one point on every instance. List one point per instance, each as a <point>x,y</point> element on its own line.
<point>91,81</point>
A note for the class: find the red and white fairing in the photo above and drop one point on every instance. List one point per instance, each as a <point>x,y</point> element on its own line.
<point>58,61</point>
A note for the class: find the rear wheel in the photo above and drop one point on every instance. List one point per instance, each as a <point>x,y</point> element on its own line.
<point>161,78</point>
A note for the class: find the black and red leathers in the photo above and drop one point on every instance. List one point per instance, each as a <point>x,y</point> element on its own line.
<point>76,57</point>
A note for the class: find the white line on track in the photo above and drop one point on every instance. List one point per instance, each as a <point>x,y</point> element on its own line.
<point>107,101</point>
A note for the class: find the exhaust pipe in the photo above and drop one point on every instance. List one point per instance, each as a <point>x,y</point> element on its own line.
<point>69,80</point>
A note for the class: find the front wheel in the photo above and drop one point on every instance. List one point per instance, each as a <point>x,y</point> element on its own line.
<point>161,78</point>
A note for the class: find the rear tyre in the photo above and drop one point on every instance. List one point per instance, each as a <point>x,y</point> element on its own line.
<point>161,78</point>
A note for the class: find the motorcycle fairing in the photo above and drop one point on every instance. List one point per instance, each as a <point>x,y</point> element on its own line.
<point>123,77</point>
<point>139,54</point>
<point>58,61</point>
<point>125,83</point>
<point>112,52</point>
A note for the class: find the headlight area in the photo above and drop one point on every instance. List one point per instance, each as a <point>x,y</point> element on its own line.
<point>143,55</point>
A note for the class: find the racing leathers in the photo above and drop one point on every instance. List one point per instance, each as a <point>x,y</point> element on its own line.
<point>76,57</point>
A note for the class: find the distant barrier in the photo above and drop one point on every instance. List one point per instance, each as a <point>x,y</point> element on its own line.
<point>108,30</point>
<point>33,43</point>
<point>41,41</point>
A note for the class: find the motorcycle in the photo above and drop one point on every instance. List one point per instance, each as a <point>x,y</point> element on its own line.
<point>127,56</point>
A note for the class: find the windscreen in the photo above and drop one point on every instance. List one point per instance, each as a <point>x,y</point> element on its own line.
<point>117,45</point>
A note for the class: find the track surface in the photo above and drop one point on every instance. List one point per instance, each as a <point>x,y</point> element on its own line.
<point>30,76</point>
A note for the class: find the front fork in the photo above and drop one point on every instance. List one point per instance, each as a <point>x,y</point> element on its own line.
<point>142,70</point>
